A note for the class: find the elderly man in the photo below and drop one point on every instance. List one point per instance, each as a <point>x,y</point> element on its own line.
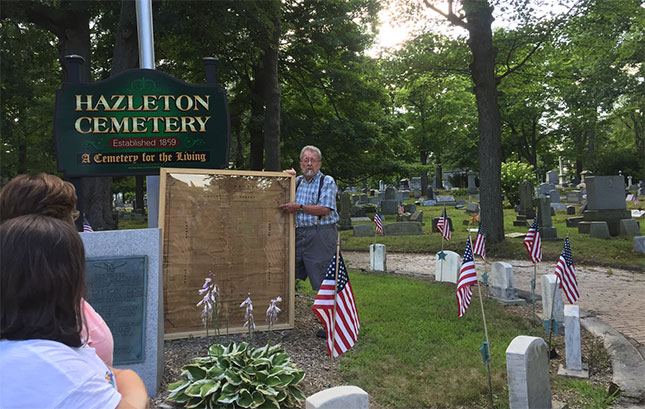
<point>316,217</point>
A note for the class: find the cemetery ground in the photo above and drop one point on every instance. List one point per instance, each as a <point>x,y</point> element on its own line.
<point>413,351</point>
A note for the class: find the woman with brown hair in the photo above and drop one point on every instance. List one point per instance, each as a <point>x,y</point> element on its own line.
<point>45,362</point>
<point>49,195</point>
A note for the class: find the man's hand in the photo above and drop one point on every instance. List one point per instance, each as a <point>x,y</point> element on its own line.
<point>291,171</point>
<point>290,207</point>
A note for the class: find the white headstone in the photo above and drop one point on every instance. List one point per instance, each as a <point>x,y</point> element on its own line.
<point>447,269</point>
<point>527,369</point>
<point>502,275</point>
<point>346,397</point>
<point>377,257</point>
<point>572,337</point>
<point>548,291</point>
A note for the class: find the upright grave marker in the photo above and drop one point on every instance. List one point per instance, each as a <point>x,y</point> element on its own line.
<point>527,369</point>
<point>575,368</point>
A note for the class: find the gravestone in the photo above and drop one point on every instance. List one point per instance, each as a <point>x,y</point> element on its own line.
<point>574,221</point>
<point>527,371</point>
<point>556,207</point>
<point>575,368</point>
<point>390,204</point>
<point>574,197</point>
<point>629,183</point>
<point>606,201</point>
<point>357,211</point>
<point>545,188</point>
<point>364,198</point>
<point>402,229</point>
<point>571,210</point>
<point>502,287</point>
<point>404,184</point>
<point>472,187</point>
<point>547,231</point>
<point>434,224</point>
<point>417,216</point>
<point>472,207</point>
<point>554,195</point>
<point>356,199</point>
<point>363,230</point>
<point>415,183</point>
<point>446,200</point>
<point>549,291</point>
<point>405,217</point>
<point>552,177</point>
<point>629,227</point>
<point>447,266</point>
<point>599,230</point>
<point>410,208</point>
<point>641,188</point>
<point>362,219</point>
<point>430,195</point>
<point>639,244</point>
<point>134,307</point>
<point>345,397</point>
<point>429,202</point>
<point>377,257</point>
<point>526,211</point>
<point>345,221</point>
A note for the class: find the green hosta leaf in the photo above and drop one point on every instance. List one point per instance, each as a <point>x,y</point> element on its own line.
<point>232,377</point>
<point>298,376</point>
<point>194,390</point>
<point>194,372</point>
<point>274,349</point>
<point>243,347</point>
<point>261,375</point>
<point>244,399</point>
<point>267,391</point>
<point>216,350</point>
<point>280,358</point>
<point>199,403</point>
<point>262,363</point>
<point>272,381</point>
<point>178,386</point>
<point>296,393</point>
<point>215,372</point>
<point>205,360</point>
<point>258,399</point>
<point>210,388</point>
<point>181,397</point>
<point>227,399</point>
<point>269,403</point>
<point>229,389</point>
<point>281,395</point>
<point>286,379</point>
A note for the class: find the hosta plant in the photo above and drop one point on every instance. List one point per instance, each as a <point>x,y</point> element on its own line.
<point>240,376</point>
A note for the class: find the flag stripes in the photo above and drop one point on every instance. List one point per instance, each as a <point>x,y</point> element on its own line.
<point>566,272</point>
<point>480,246</point>
<point>443,225</point>
<point>378,221</point>
<point>467,277</point>
<point>347,323</point>
<point>533,242</point>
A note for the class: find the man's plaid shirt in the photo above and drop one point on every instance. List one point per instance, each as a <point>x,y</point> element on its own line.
<point>307,193</point>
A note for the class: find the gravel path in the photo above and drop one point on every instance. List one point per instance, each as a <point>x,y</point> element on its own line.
<point>614,295</point>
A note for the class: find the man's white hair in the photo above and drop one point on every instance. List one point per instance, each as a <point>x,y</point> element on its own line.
<point>311,148</point>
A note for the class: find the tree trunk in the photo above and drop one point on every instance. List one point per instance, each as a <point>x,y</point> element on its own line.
<point>479,18</point>
<point>256,159</point>
<point>272,95</point>
<point>424,174</point>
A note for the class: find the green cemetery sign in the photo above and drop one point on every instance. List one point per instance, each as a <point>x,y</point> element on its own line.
<point>137,121</point>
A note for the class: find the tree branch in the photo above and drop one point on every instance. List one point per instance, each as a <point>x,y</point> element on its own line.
<point>450,16</point>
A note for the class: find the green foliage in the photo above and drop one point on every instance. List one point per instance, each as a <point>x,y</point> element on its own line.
<point>239,376</point>
<point>513,173</point>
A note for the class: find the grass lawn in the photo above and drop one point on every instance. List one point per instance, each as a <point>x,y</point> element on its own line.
<point>413,351</point>
<point>617,251</point>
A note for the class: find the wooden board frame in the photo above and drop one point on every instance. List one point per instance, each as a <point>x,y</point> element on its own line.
<point>172,215</point>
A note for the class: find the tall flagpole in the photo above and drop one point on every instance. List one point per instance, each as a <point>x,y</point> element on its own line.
<point>333,323</point>
<point>147,60</point>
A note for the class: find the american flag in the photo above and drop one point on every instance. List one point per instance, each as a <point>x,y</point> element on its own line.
<point>480,246</point>
<point>378,220</point>
<point>86,226</point>
<point>443,225</point>
<point>467,277</point>
<point>347,323</point>
<point>401,210</point>
<point>566,272</point>
<point>533,242</point>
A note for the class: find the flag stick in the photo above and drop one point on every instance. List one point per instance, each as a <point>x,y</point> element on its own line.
<point>533,283</point>
<point>333,323</point>
<point>481,304</point>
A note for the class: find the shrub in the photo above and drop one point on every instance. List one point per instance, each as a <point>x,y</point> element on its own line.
<point>513,173</point>
<point>239,376</point>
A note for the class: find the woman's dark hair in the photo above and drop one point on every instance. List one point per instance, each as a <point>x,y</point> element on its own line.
<point>42,280</point>
<point>43,194</point>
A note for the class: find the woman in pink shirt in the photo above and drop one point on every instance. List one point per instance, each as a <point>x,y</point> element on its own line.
<point>49,195</point>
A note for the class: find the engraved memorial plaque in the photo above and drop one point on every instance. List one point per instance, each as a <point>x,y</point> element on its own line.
<point>116,289</point>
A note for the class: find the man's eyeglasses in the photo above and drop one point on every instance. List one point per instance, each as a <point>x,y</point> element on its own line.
<point>308,161</point>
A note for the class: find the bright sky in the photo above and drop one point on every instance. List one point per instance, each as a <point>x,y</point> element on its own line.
<point>394,33</point>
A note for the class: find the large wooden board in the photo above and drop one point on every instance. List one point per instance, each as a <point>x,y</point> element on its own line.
<point>227,222</point>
